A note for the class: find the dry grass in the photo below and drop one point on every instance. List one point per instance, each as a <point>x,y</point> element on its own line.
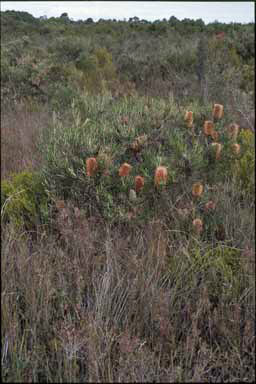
<point>20,128</point>
<point>102,303</point>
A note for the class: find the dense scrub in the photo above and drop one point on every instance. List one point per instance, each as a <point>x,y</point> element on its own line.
<point>186,59</point>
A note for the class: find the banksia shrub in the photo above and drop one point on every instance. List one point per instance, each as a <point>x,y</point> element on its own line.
<point>125,169</point>
<point>208,127</point>
<point>218,148</point>
<point>139,183</point>
<point>235,148</point>
<point>160,175</point>
<point>198,225</point>
<point>197,189</point>
<point>91,166</point>
<point>217,111</point>
<point>233,130</point>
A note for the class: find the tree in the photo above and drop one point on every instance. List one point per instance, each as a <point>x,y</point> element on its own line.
<point>89,21</point>
<point>134,19</point>
<point>64,16</point>
<point>173,20</point>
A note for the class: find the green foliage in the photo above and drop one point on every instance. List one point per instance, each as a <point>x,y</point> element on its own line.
<point>248,77</point>
<point>244,167</point>
<point>156,56</point>
<point>222,264</point>
<point>98,69</point>
<point>23,200</point>
<point>66,49</point>
<point>96,130</point>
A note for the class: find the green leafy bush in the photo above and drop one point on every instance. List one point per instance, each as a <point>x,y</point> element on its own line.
<point>98,69</point>
<point>244,167</point>
<point>24,200</point>
<point>222,265</point>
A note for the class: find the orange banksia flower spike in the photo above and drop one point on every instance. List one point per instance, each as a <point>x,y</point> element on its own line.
<point>197,189</point>
<point>218,148</point>
<point>188,116</point>
<point>217,111</point>
<point>208,127</point>
<point>139,183</point>
<point>235,148</point>
<point>160,175</point>
<point>198,225</point>
<point>125,169</point>
<point>91,166</point>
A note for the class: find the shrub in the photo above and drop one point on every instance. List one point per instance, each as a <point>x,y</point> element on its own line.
<point>222,265</point>
<point>244,167</point>
<point>24,200</point>
<point>98,69</point>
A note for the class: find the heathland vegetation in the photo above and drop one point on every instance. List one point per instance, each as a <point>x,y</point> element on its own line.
<point>127,200</point>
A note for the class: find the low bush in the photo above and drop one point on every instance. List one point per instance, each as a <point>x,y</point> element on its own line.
<point>24,200</point>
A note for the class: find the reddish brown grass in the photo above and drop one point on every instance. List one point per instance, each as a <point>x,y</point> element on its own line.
<point>20,128</point>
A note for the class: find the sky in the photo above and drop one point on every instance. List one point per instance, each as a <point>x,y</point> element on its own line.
<point>225,12</point>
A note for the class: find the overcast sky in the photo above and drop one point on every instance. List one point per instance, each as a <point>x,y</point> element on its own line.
<point>226,12</point>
